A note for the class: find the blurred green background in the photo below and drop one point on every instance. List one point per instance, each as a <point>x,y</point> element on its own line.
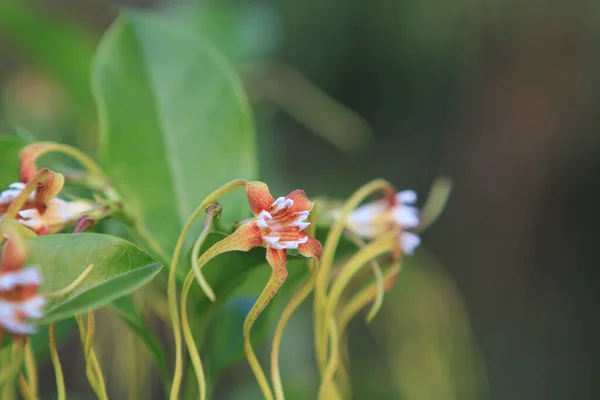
<point>500,96</point>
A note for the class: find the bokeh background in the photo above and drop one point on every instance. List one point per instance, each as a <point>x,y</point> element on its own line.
<point>500,96</point>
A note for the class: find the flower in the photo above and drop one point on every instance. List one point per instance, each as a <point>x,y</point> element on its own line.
<point>43,213</point>
<point>393,211</point>
<point>19,298</point>
<point>278,224</point>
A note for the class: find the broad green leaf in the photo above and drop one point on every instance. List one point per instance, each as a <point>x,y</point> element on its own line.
<point>175,123</point>
<point>119,269</point>
<point>127,310</point>
<point>9,160</point>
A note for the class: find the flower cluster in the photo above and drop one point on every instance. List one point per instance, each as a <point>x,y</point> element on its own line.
<point>394,211</point>
<point>44,216</point>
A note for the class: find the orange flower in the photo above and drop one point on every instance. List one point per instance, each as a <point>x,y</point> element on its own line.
<point>278,224</point>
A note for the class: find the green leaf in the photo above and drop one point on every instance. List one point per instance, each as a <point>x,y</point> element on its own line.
<point>175,123</point>
<point>127,310</point>
<point>9,160</point>
<point>119,269</point>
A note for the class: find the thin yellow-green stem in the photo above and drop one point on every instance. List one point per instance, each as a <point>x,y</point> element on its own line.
<point>58,373</point>
<point>326,263</point>
<point>377,247</point>
<point>8,372</point>
<point>298,298</point>
<point>24,388</point>
<point>379,281</point>
<point>83,159</point>
<point>187,332</point>
<point>358,301</point>
<point>73,285</point>
<point>31,370</point>
<point>364,297</point>
<point>93,370</point>
<point>172,283</point>
<point>300,295</point>
<point>275,281</point>
<point>328,390</point>
<point>89,334</point>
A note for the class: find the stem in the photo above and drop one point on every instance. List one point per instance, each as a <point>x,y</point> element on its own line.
<point>374,249</point>
<point>379,282</point>
<point>300,295</point>
<point>73,285</point>
<point>8,372</point>
<point>60,381</point>
<point>172,284</point>
<point>92,369</point>
<point>25,390</point>
<point>31,369</point>
<point>187,332</point>
<point>275,281</point>
<point>327,261</point>
<point>328,390</point>
<point>83,159</point>
<point>296,301</point>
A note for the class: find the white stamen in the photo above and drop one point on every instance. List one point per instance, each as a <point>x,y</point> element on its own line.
<point>17,185</point>
<point>301,225</point>
<point>406,197</point>
<point>406,216</point>
<point>302,215</point>
<point>409,242</point>
<point>273,241</point>
<point>280,203</point>
<point>293,244</point>
<point>262,219</point>
<point>27,276</point>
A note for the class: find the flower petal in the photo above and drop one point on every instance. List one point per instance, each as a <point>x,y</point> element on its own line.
<point>312,248</point>
<point>259,196</point>
<point>244,238</point>
<point>277,259</point>
<point>301,202</point>
<point>13,256</point>
<point>409,242</point>
<point>406,197</point>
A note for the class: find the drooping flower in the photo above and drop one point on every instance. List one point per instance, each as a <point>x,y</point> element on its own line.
<point>278,224</point>
<point>42,212</point>
<point>19,298</point>
<point>395,210</point>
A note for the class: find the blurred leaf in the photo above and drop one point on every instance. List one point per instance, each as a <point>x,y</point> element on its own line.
<point>127,310</point>
<point>119,269</point>
<point>58,45</point>
<point>243,31</point>
<point>226,345</point>
<point>175,122</point>
<point>9,160</point>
